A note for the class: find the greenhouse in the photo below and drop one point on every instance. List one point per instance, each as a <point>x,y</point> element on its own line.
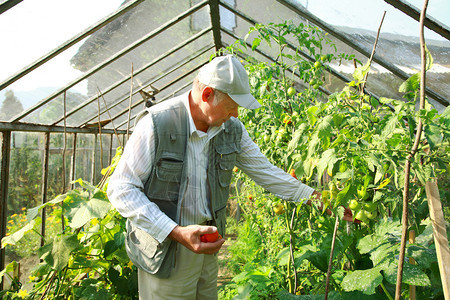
<point>336,187</point>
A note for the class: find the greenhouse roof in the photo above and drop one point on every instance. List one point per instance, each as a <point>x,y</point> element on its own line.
<point>101,65</point>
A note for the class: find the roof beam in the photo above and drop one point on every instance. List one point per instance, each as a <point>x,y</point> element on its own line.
<point>30,127</point>
<point>8,4</point>
<point>215,22</point>
<point>414,13</point>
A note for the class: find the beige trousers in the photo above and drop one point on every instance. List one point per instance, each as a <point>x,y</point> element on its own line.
<point>194,277</point>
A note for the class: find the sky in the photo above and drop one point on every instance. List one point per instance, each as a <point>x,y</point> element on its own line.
<point>367,14</point>
<point>32,28</point>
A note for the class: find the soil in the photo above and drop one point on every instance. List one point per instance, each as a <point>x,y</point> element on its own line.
<point>224,276</point>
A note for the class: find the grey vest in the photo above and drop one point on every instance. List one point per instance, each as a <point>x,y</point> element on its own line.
<point>167,182</point>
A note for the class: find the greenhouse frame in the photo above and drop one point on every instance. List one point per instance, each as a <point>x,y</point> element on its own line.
<point>147,51</point>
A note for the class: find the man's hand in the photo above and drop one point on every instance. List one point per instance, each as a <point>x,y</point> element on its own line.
<point>189,236</point>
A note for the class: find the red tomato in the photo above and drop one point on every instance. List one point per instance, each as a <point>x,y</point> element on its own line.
<point>210,237</point>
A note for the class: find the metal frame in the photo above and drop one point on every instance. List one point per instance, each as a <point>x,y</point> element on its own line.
<point>16,123</point>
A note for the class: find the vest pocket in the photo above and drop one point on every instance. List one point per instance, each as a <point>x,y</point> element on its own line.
<point>166,185</point>
<point>226,165</point>
<point>226,155</point>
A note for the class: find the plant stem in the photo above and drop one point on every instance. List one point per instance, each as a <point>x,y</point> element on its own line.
<point>401,258</point>
<point>291,247</point>
<point>386,291</point>
<point>330,262</point>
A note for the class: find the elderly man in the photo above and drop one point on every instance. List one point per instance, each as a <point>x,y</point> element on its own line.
<point>172,182</point>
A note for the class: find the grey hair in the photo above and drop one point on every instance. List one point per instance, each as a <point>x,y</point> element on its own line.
<point>218,95</point>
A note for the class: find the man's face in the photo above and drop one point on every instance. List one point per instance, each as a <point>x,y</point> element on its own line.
<point>220,113</point>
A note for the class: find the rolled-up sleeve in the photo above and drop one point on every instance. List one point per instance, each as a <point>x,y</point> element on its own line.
<point>256,165</point>
<point>126,185</point>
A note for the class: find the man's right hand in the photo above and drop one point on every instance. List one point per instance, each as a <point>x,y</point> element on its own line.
<point>189,236</point>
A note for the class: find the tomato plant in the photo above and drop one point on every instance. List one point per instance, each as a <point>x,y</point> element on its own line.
<point>353,147</point>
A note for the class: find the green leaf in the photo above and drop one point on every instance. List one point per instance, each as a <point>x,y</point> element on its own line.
<point>365,281</point>
<point>412,274</point>
<point>346,194</point>
<point>9,268</point>
<point>61,248</point>
<point>361,71</point>
<point>18,235</point>
<point>311,113</point>
<point>33,212</point>
<point>429,59</point>
<point>433,135</point>
<point>319,259</point>
<point>390,126</point>
<point>84,211</point>
<point>296,137</point>
<point>109,248</point>
<point>328,158</point>
<point>255,43</point>
<point>411,84</point>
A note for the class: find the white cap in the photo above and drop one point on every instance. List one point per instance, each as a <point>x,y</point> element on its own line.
<point>228,75</point>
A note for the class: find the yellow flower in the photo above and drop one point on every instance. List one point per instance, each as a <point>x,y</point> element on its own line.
<point>22,294</point>
<point>24,208</point>
<point>130,264</point>
<point>10,221</point>
<point>14,215</point>
<point>32,278</point>
<point>94,221</point>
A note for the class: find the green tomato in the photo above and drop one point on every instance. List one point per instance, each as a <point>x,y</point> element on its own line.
<point>317,64</point>
<point>354,205</point>
<point>266,138</point>
<point>361,215</point>
<point>323,57</point>
<point>316,86</point>
<point>370,206</point>
<point>291,91</point>
<point>371,214</point>
<point>312,82</point>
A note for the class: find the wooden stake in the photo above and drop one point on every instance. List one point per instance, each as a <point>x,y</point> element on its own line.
<point>440,235</point>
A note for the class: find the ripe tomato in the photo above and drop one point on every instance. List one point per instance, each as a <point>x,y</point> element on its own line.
<point>210,237</point>
<point>292,173</point>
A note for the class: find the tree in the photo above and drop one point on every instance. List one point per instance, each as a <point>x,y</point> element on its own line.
<point>11,106</point>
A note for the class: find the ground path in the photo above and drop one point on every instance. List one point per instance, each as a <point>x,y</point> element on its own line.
<point>225,276</point>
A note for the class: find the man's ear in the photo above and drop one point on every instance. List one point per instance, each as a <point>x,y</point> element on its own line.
<point>207,94</point>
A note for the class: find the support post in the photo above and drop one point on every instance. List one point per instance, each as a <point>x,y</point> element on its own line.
<point>6,152</point>
<point>73,160</point>
<point>111,140</point>
<point>94,152</point>
<point>45,182</point>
